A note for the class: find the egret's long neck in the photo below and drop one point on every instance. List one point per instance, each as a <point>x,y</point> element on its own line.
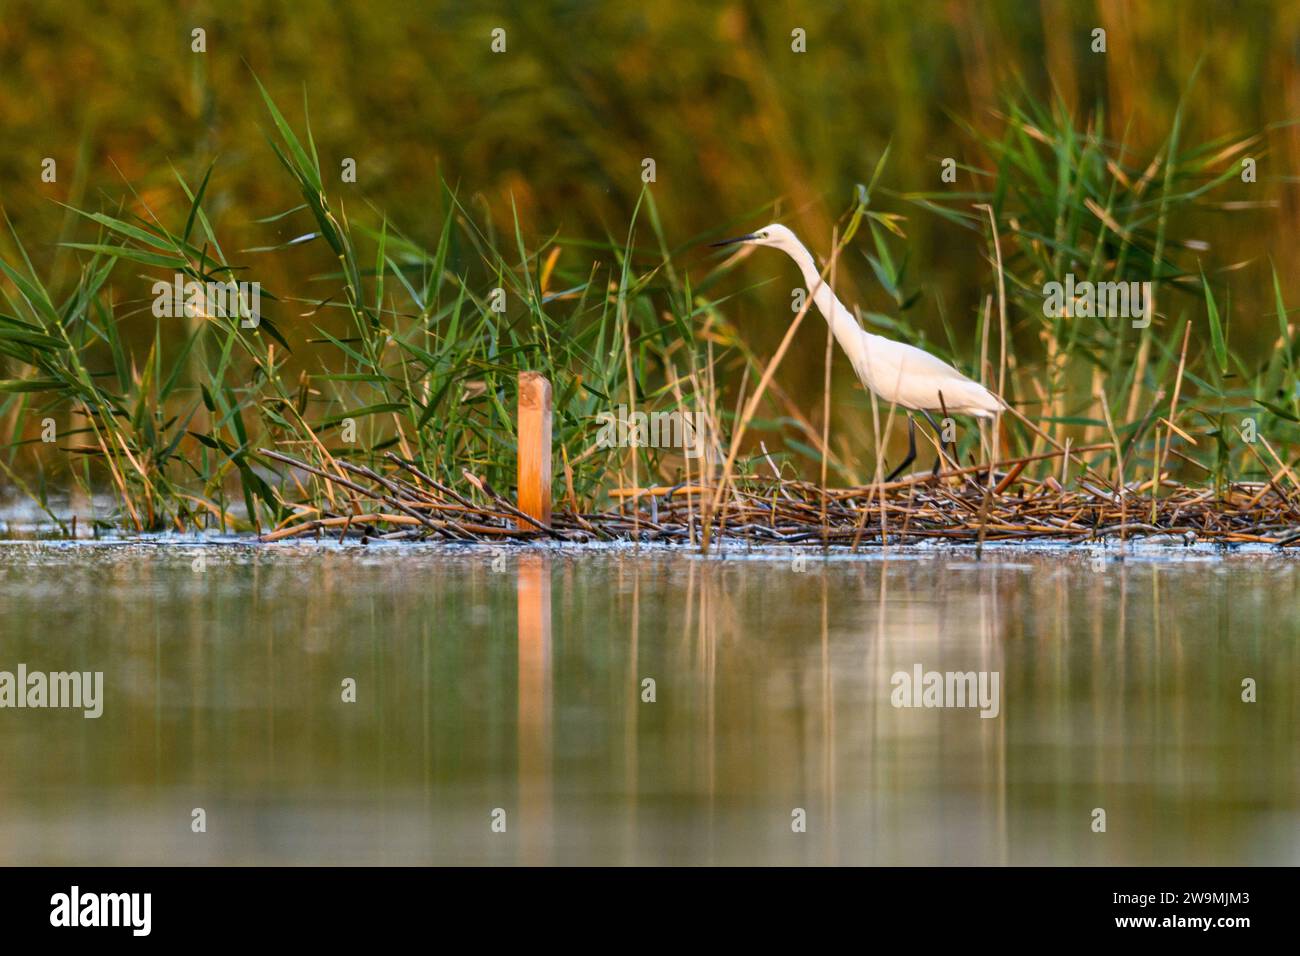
<point>843,325</point>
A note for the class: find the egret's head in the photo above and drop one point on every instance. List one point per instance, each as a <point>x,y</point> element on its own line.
<point>773,235</point>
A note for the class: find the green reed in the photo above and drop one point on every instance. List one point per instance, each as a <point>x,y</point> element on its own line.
<point>410,347</point>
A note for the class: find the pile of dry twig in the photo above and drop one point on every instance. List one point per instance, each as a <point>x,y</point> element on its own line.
<point>961,505</point>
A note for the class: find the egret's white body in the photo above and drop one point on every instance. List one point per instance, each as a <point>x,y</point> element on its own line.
<point>895,371</point>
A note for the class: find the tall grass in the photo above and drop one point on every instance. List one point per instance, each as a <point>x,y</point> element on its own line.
<point>1068,200</point>
<point>401,347</point>
<point>423,362</point>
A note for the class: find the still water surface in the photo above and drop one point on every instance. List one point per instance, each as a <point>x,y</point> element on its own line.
<point>514,681</point>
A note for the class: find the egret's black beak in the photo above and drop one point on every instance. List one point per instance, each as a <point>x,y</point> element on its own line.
<point>732,242</point>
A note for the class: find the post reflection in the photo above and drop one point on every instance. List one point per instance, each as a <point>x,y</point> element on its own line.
<point>533,595</point>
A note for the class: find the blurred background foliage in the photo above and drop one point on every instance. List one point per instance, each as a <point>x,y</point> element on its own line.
<point>733,118</point>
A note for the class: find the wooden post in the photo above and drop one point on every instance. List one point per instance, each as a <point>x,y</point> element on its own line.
<point>534,457</point>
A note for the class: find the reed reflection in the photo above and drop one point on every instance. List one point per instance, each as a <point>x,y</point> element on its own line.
<point>1120,686</point>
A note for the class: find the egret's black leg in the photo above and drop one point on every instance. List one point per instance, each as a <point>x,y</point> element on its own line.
<point>911,449</point>
<point>952,445</point>
<point>938,433</point>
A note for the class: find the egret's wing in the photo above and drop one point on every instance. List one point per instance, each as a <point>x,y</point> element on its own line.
<point>893,365</point>
<point>914,378</point>
<point>918,362</point>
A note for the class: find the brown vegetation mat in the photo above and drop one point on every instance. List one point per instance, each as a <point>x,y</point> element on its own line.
<point>958,506</point>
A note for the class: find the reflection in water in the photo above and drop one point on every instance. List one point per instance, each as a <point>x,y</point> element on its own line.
<point>651,707</point>
<point>534,615</point>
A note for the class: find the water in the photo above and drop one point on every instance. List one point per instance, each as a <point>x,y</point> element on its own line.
<point>513,680</point>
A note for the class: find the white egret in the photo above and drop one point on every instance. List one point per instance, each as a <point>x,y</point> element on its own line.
<point>896,372</point>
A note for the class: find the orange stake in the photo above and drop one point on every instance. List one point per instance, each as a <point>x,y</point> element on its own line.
<point>534,455</point>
